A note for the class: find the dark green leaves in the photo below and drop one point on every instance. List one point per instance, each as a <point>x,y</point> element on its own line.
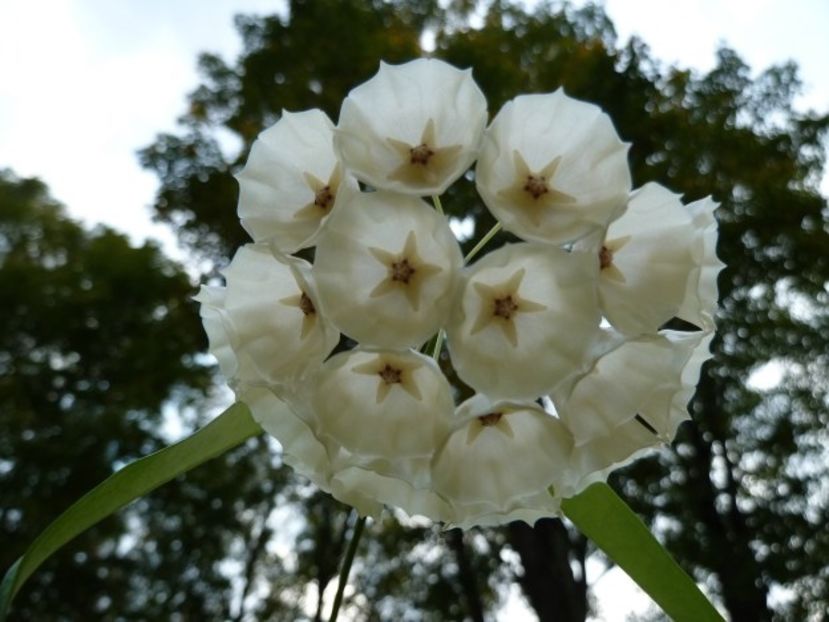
<point>228,430</point>
<point>607,520</point>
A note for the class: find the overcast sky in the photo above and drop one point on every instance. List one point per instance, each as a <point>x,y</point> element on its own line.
<point>85,83</point>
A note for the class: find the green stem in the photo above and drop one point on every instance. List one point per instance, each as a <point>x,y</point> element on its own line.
<point>482,242</point>
<point>346,567</point>
<point>438,345</point>
<point>438,205</point>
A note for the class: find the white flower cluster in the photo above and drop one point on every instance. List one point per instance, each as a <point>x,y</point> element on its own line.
<point>561,396</point>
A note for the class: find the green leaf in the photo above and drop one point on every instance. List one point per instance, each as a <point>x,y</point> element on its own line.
<point>231,428</point>
<point>607,520</point>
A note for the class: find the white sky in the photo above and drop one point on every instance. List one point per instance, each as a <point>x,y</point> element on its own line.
<point>85,83</point>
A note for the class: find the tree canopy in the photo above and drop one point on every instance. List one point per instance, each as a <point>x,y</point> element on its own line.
<point>739,499</point>
<point>745,477</point>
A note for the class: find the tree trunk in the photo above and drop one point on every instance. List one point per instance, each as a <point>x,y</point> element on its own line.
<point>743,590</point>
<point>548,580</point>
<point>466,576</point>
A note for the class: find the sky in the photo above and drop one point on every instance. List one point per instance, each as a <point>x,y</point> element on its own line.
<point>85,83</point>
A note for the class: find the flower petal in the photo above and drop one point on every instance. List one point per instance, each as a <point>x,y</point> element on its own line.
<point>700,302</point>
<point>272,309</point>
<point>291,181</point>
<point>365,489</point>
<point>212,313</point>
<point>412,128</point>
<point>525,318</point>
<point>301,449</point>
<point>386,267</point>
<point>657,261</point>
<point>501,459</point>
<point>652,377</point>
<point>389,410</point>
<point>552,168</point>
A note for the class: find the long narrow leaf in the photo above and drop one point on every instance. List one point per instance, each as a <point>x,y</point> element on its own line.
<point>607,520</point>
<point>228,430</point>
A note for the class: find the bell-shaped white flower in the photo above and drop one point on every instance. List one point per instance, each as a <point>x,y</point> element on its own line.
<point>291,181</point>
<point>388,410</point>
<point>412,128</point>
<point>301,449</point>
<point>656,258</point>
<point>648,379</point>
<point>366,490</point>
<point>386,267</point>
<point>525,317</point>
<point>214,319</point>
<point>272,312</point>
<point>700,302</point>
<point>500,462</point>
<point>552,168</point>
<point>595,459</point>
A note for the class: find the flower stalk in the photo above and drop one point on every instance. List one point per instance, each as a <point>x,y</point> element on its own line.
<point>345,568</point>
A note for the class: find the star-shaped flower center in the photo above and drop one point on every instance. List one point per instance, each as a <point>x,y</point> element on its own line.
<point>607,268</point>
<point>533,191</point>
<point>605,257</point>
<point>392,371</point>
<point>420,154</point>
<point>309,312</point>
<point>505,307</point>
<point>490,418</point>
<point>324,195</point>
<point>402,271</point>
<point>501,303</point>
<point>406,271</point>
<point>494,420</point>
<point>424,164</point>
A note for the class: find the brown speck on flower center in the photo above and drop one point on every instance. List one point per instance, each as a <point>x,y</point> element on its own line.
<point>402,271</point>
<point>391,375</point>
<point>536,186</point>
<point>306,305</point>
<point>324,198</point>
<point>421,154</point>
<point>605,257</point>
<point>490,419</point>
<point>504,307</point>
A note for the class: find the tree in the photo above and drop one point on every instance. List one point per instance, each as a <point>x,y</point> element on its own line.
<point>99,336</point>
<point>745,477</point>
<point>740,500</point>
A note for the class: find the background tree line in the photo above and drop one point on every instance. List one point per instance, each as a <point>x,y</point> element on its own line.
<point>100,336</point>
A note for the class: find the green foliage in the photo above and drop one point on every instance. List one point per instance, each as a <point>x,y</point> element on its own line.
<point>600,514</point>
<point>740,501</point>
<point>746,477</point>
<point>99,336</point>
<point>135,480</point>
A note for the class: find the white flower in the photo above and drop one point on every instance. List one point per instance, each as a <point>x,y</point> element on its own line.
<point>366,489</point>
<point>301,449</point>
<point>525,317</point>
<point>552,168</point>
<point>291,181</point>
<point>648,380</point>
<point>657,261</point>
<point>500,461</point>
<point>376,425</point>
<point>271,316</point>
<point>700,302</point>
<point>386,267</point>
<point>597,458</point>
<point>388,410</point>
<point>214,319</point>
<point>412,128</point>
